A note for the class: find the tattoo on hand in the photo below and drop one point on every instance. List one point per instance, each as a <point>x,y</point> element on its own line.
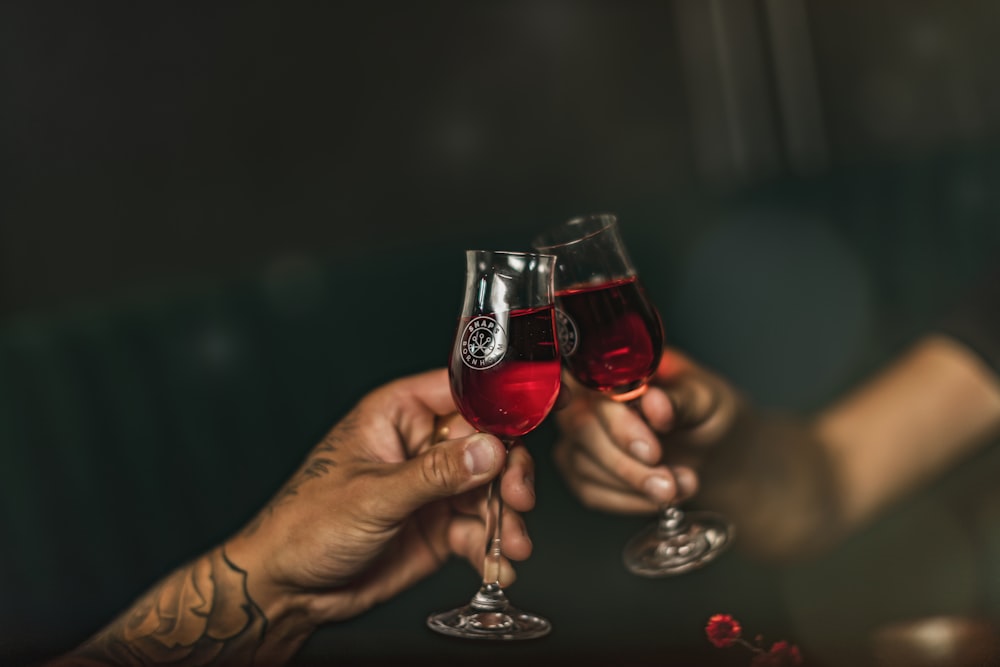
<point>318,464</point>
<point>201,614</point>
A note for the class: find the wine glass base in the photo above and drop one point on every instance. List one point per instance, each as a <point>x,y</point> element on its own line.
<point>655,552</point>
<point>472,623</point>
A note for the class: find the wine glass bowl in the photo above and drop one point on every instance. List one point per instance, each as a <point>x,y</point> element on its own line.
<point>505,376</point>
<point>612,338</point>
<point>623,341</point>
<point>610,333</point>
<point>507,396</point>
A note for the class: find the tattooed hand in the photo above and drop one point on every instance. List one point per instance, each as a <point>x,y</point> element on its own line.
<point>379,504</point>
<point>375,507</point>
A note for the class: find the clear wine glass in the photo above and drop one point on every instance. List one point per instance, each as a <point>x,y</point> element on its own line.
<point>505,376</point>
<point>611,338</point>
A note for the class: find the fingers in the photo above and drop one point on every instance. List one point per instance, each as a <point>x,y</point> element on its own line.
<point>467,538</point>
<point>451,426</point>
<point>683,395</point>
<point>598,489</point>
<point>689,401</point>
<point>591,457</point>
<point>518,482</point>
<point>444,427</point>
<point>517,489</point>
<point>430,387</point>
<point>514,539</point>
<point>628,430</point>
<point>447,469</point>
<point>467,534</point>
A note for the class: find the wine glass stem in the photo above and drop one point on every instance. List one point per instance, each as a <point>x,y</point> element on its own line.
<point>494,523</point>
<point>490,596</point>
<point>671,519</point>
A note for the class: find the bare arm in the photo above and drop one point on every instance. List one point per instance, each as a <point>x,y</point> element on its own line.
<point>793,486</point>
<point>796,487</point>
<point>391,492</point>
<point>916,419</point>
<point>200,614</point>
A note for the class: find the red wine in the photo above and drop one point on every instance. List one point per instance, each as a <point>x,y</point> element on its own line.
<point>611,334</point>
<point>505,371</point>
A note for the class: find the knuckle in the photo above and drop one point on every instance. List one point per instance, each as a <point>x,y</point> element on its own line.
<point>439,470</point>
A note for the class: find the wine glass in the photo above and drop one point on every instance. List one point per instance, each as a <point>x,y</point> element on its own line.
<point>505,376</point>
<point>611,338</point>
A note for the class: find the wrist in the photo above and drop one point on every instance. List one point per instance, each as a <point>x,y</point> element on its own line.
<point>287,611</point>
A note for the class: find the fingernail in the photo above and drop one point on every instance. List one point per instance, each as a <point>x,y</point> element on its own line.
<point>479,456</point>
<point>640,450</point>
<point>659,488</point>
<point>529,484</point>
<point>687,482</point>
<point>507,575</point>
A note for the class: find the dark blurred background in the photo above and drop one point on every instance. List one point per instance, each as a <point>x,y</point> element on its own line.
<point>221,223</point>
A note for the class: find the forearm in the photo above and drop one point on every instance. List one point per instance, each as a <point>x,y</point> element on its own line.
<point>916,419</point>
<point>795,487</point>
<point>202,613</point>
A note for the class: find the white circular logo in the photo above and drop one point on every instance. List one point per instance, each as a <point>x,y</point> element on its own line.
<point>484,343</point>
<point>568,333</point>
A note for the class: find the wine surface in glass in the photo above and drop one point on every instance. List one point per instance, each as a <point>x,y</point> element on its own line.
<point>506,392</point>
<point>613,337</point>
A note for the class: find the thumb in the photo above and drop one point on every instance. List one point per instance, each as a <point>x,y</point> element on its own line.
<point>691,400</point>
<point>446,469</point>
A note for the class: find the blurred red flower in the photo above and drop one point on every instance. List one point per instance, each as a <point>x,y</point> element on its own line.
<point>782,654</point>
<point>723,630</point>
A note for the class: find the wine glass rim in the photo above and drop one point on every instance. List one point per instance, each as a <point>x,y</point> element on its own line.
<point>512,253</point>
<point>609,220</point>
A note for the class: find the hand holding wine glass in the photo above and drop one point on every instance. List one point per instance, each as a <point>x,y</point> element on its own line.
<point>505,378</point>
<point>611,338</point>
<point>374,508</point>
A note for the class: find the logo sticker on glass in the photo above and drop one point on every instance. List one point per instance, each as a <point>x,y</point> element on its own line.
<point>568,336</point>
<point>484,343</point>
